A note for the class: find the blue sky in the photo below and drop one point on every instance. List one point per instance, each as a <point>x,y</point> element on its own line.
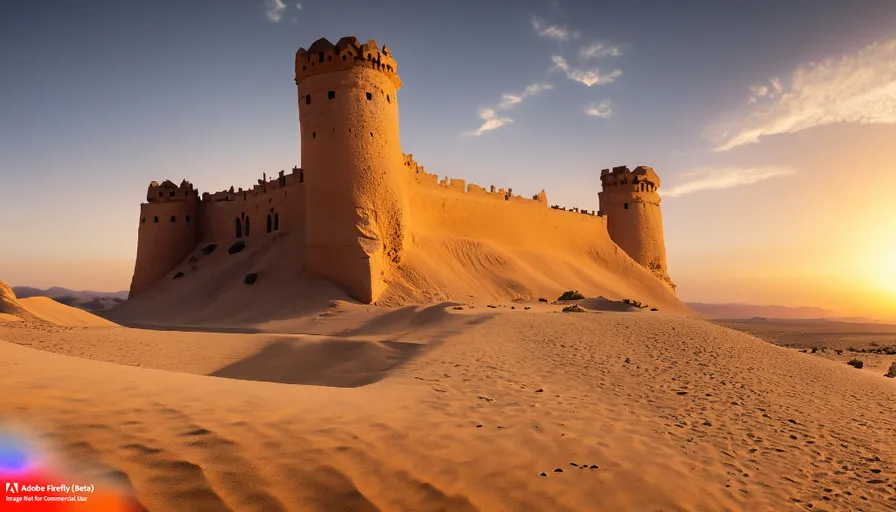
<point>747,110</point>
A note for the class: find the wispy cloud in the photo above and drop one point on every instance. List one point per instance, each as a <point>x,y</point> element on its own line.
<point>597,50</point>
<point>555,32</point>
<point>588,77</point>
<point>509,100</point>
<point>857,88</point>
<point>603,109</point>
<point>273,10</point>
<point>723,178</point>
<point>299,6</point>
<point>492,120</point>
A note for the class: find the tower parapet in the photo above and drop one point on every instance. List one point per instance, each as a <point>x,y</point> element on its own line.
<point>356,211</point>
<point>631,203</point>
<point>325,57</point>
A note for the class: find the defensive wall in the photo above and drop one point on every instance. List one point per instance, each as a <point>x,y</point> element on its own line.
<point>358,199</point>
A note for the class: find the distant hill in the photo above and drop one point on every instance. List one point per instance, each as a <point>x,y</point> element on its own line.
<point>736,311</point>
<point>84,299</point>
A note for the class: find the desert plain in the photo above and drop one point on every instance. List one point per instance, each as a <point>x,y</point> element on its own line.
<point>453,406</point>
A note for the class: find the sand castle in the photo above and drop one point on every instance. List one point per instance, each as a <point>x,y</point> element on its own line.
<point>358,200</point>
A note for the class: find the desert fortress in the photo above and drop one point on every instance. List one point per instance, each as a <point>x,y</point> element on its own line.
<point>366,214</point>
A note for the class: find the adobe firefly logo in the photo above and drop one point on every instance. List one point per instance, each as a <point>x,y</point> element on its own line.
<point>12,488</point>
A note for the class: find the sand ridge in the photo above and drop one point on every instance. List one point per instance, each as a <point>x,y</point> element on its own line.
<point>675,414</point>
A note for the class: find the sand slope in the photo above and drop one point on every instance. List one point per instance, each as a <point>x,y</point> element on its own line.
<point>208,290</point>
<point>9,305</point>
<point>48,310</point>
<point>640,412</point>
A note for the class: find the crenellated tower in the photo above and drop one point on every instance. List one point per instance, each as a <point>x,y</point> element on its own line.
<point>356,221</point>
<point>168,231</point>
<point>630,201</point>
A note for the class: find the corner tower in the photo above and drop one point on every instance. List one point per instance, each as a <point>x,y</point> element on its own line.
<point>355,189</point>
<point>169,230</point>
<point>630,201</point>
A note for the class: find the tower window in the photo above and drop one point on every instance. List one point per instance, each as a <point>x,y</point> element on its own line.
<point>276,221</point>
<point>171,194</point>
<point>187,218</point>
<point>313,135</point>
<point>239,228</point>
<point>173,218</point>
<point>331,94</point>
<point>387,99</point>
<point>270,223</point>
<point>330,58</point>
<point>247,225</point>
<point>369,96</point>
<point>155,220</point>
<point>320,56</point>
<point>626,206</point>
<point>301,177</point>
<point>343,57</point>
<point>161,193</point>
<point>307,99</point>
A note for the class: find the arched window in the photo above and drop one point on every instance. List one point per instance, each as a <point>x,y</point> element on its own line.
<point>270,223</point>
<point>173,218</point>
<point>239,228</point>
<point>277,221</point>
<point>155,220</point>
<point>187,218</point>
<point>626,206</point>
<point>247,225</point>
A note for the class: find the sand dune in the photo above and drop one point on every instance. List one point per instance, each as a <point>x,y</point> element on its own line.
<point>637,411</point>
<point>51,311</point>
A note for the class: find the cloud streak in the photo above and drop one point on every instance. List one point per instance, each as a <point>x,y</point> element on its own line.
<point>725,178</point>
<point>555,32</point>
<point>598,50</point>
<point>492,120</point>
<point>857,88</point>
<point>589,77</point>
<point>273,10</point>
<point>603,109</point>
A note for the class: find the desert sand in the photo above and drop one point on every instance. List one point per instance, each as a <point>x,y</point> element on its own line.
<point>452,407</point>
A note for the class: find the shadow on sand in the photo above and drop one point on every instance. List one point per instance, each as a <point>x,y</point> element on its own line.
<point>327,362</point>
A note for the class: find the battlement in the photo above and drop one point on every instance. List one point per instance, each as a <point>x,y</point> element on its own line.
<point>325,57</point>
<point>264,185</point>
<point>642,179</point>
<point>167,192</point>
<point>421,177</point>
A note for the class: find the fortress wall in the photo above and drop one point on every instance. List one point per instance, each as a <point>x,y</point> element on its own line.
<point>517,222</point>
<point>250,209</point>
<point>167,232</point>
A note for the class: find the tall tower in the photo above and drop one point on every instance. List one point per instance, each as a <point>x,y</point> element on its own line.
<point>356,225</point>
<point>630,201</point>
<point>169,230</point>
